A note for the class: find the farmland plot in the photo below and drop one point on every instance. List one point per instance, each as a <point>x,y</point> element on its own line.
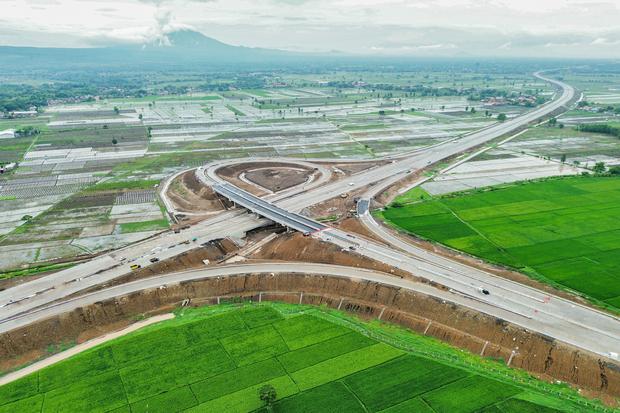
<point>582,147</point>
<point>216,359</point>
<point>88,222</point>
<point>482,173</point>
<point>562,231</point>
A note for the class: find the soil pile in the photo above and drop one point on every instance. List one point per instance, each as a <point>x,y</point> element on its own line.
<point>189,195</point>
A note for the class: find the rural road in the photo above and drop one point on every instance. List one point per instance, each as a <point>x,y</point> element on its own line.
<point>31,368</point>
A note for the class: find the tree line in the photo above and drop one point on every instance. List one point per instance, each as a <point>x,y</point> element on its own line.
<point>603,128</point>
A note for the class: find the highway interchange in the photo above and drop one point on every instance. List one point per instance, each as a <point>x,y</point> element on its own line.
<point>532,309</point>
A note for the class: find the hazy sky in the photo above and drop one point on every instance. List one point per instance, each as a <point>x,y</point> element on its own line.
<point>548,28</point>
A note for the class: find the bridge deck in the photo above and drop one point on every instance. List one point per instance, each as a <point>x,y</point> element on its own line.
<point>268,210</point>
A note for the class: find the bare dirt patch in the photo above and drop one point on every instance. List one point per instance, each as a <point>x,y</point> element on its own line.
<point>337,208</point>
<point>231,174</point>
<point>278,179</point>
<point>354,225</point>
<point>188,194</point>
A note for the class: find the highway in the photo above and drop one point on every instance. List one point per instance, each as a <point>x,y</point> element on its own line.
<point>240,269</point>
<point>24,297</point>
<point>567,321</point>
<point>579,325</point>
<point>522,305</point>
<point>32,294</point>
<point>527,307</point>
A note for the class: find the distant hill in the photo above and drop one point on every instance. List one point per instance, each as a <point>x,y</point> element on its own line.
<point>181,47</point>
<point>191,44</point>
<point>191,38</point>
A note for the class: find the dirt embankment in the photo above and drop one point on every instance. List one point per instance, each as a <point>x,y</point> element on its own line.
<point>355,225</point>
<point>296,247</point>
<point>189,195</point>
<point>340,206</point>
<point>459,326</point>
<point>393,190</point>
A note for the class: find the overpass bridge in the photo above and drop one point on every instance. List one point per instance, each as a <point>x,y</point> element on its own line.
<point>268,210</point>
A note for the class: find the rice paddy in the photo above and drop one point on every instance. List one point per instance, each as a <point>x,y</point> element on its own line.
<point>216,359</point>
<point>563,231</point>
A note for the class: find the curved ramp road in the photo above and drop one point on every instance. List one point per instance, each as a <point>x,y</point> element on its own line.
<point>241,269</point>
<point>532,309</point>
<point>325,173</point>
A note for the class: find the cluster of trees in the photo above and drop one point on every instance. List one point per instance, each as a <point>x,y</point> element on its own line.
<point>600,169</point>
<point>490,93</point>
<point>553,122</point>
<point>268,395</point>
<point>27,131</point>
<point>609,108</point>
<point>487,93</point>
<point>20,97</point>
<point>407,90</point>
<point>422,90</point>
<point>601,109</point>
<point>600,128</point>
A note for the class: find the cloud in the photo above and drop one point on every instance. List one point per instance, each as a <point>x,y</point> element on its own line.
<point>469,27</point>
<point>602,41</point>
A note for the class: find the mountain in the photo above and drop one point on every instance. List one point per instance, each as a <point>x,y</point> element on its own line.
<point>178,48</point>
<point>191,39</point>
<point>190,45</point>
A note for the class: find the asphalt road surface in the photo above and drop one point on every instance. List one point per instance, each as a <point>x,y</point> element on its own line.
<point>239,269</point>
<point>579,325</point>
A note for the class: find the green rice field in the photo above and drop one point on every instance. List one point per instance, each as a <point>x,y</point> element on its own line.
<point>562,231</point>
<point>215,359</point>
